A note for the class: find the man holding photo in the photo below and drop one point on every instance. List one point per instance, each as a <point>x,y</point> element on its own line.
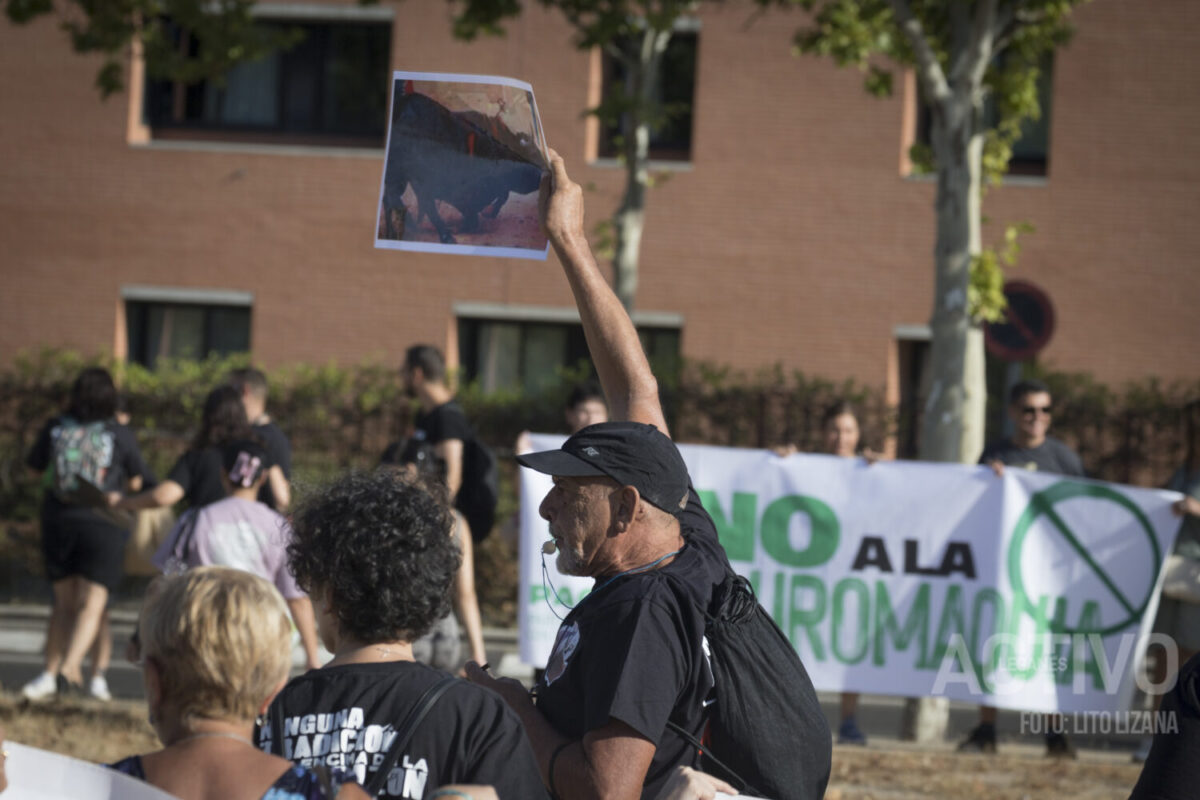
<point>630,657</point>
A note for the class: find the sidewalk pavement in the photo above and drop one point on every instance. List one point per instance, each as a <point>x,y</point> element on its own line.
<point>22,634</point>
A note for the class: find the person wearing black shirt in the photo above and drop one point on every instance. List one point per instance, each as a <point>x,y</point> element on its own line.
<point>83,544</point>
<point>196,476</point>
<point>440,428</point>
<point>251,384</point>
<point>1030,407</point>
<point>375,553</point>
<point>629,658</point>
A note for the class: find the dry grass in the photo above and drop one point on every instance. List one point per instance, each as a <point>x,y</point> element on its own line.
<point>100,732</point>
<point>105,732</point>
<point>920,774</point>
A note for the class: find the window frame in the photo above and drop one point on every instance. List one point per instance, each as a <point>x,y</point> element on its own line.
<point>207,300</point>
<point>601,154</point>
<point>196,134</point>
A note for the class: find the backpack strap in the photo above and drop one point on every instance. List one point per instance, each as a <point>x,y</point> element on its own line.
<point>405,732</point>
<point>738,781</point>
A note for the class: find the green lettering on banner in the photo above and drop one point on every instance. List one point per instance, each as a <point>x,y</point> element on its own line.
<point>978,634</point>
<point>886,626</point>
<point>826,531</point>
<point>1090,619</point>
<point>808,618</point>
<point>737,537</point>
<point>861,641</point>
<point>1041,626</point>
<point>951,621</point>
<point>537,594</point>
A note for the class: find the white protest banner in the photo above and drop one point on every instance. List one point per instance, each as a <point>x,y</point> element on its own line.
<point>41,775</point>
<point>1030,591</point>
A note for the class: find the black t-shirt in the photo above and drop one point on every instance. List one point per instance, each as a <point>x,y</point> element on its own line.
<point>633,651</point>
<point>1051,456</point>
<point>345,716</point>
<point>108,461</point>
<point>279,451</point>
<point>1172,770</point>
<point>199,473</point>
<point>438,425</point>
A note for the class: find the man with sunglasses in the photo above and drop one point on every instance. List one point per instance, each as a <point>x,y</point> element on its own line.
<point>1029,407</point>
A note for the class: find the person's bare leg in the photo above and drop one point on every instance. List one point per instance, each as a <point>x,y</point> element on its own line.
<point>987,715</point>
<point>101,652</point>
<point>58,631</point>
<point>94,598</point>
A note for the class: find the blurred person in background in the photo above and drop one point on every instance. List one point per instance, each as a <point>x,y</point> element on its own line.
<point>81,453</point>
<point>1030,409</point>
<point>242,533</point>
<point>197,475</point>
<point>841,436</point>
<point>251,385</point>
<point>1178,616</point>
<point>215,650</point>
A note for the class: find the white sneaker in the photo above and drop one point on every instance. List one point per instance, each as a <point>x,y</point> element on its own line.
<point>41,687</point>
<point>98,689</point>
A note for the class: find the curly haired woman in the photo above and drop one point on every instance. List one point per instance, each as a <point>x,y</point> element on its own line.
<point>374,552</point>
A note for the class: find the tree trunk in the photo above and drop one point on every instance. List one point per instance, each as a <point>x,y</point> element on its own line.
<point>953,422</point>
<point>630,218</point>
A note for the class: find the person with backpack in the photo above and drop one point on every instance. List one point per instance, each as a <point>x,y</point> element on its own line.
<point>82,453</point>
<point>441,432</point>
<point>669,645</point>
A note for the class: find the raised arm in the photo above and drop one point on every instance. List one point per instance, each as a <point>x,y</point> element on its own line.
<point>616,351</point>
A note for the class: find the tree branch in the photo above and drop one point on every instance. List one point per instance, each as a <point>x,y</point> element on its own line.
<point>971,66</point>
<point>929,69</point>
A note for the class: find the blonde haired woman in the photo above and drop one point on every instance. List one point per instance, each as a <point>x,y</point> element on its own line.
<point>216,648</point>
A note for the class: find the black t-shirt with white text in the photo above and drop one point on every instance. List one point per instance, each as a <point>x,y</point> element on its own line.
<point>633,650</point>
<point>1051,456</point>
<point>346,716</point>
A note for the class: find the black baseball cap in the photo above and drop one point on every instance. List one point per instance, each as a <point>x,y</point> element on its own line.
<point>631,453</point>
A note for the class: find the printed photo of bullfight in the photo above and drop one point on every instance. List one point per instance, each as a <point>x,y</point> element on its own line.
<point>465,155</point>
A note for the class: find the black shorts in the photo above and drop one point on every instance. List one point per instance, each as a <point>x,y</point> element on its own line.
<point>81,542</point>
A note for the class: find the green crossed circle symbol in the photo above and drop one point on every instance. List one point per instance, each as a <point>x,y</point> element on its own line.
<point>1042,504</point>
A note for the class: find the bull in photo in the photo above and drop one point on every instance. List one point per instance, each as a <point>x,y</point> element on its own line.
<point>465,159</point>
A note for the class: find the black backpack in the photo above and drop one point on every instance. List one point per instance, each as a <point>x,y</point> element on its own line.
<point>766,733</point>
<point>480,490</point>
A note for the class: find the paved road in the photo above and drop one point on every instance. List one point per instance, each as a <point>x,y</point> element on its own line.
<point>22,632</point>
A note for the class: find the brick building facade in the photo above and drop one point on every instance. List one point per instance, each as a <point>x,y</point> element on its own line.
<point>792,234</point>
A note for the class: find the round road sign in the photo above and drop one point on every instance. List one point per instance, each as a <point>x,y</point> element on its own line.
<point>1028,324</point>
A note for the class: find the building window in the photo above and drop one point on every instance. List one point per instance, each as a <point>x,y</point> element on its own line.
<point>528,355</point>
<point>328,89</point>
<point>674,93</point>
<point>1031,152</point>
<point>185,324</point>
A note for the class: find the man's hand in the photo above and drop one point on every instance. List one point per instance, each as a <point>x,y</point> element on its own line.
<point>512,692</point>
<point>690,784</point>
<point>997,467</point>
<point>1188,505</point>
<point>560,205</point>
